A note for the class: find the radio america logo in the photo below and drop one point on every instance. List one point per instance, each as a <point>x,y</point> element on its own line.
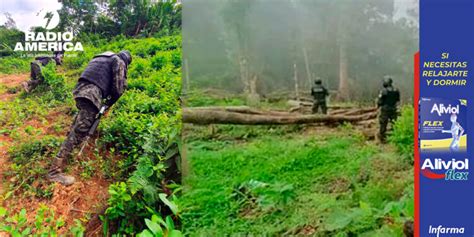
<point>49,40</point>
<point>453,170</point>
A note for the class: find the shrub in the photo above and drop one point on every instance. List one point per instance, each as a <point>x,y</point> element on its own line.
<point>30,161</point>
<point>176,58</point>
<point>56,82</point>
<point>44,224</point>
<point>80,60</point>
<point>158,61</point>
<point>14,64</point>
<point>143,127</point>
<point>403,133</point>
<point>140,68</point>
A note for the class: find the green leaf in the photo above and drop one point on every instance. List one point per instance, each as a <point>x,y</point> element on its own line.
<point>169,223</point>
<point>26,231</point>
<point>7,195</point>
<point>175,233</point>
<point>158,219</point>
<point>3,212</point>
<point>154,227</point>
<point>338,219</point>
<point>410,207</point>
<point>23,213</point>
<point>171,205</point>
<point>145,233</point>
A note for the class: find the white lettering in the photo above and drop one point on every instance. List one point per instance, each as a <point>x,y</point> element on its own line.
<point>18,47</point>
<point>440,164</point>
<point>441,109</point>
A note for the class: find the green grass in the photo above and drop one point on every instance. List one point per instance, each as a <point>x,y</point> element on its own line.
<point>333,184</point>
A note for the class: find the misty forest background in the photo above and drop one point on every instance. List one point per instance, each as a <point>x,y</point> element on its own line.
<point>245,62</point>
<point>258,46</point>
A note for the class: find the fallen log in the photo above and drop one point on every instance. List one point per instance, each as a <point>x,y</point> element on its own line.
<point>361,111</point>
<point>339,111</point>
<point>243,110</point>
<point>203,116</point>
<point>335,110</point>
<point>349,112</point>
<point>305,103</point>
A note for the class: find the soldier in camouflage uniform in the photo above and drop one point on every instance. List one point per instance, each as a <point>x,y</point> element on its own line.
<point>319,93</point>
<point>387,103</point>
<point>102,82</point>
<point>35,68</point>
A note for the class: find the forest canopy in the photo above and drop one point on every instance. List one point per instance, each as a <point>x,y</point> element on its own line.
<point>91,21</point>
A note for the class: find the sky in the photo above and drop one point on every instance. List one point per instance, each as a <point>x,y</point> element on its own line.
<point>24,12</point>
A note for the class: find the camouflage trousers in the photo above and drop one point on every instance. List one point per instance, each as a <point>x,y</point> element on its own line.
<point>78,132</point>
<point>36,76</point>
<point>387,115</point>
<point>319,104</point>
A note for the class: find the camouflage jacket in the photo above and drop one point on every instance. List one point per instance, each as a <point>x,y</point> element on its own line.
<point>108,72</point>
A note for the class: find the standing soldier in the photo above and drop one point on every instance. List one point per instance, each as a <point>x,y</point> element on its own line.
<point>35,68</point>
<point>387,103</point>
<point>319,93</point>
<point>102,83</point>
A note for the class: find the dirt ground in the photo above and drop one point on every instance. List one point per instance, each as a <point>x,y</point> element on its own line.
<point>13,80</point>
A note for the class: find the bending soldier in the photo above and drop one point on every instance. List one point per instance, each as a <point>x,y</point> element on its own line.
<point>35,70</point>
<point>319,93</point>
<point>387,103</point>
<point>103,81</point>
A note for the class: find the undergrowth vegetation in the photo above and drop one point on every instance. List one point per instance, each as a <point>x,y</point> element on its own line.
<point>296,180</point>
<point>12,64</point>
<point>45,223</point>
<point>403,133</point>
<point>138,140</point>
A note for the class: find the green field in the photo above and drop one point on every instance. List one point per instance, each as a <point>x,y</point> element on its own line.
<point>295,180</point>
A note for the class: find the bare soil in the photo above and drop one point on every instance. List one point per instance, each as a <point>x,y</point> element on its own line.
<point>11,82</point>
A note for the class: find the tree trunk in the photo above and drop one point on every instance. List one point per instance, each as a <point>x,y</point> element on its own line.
<point>253,98</point>
<point>244,75</point>
<point>295,77</point>
<point>202,116</point>
<point>306,62</point>
<point>186,75</point>
<point>343,91</point>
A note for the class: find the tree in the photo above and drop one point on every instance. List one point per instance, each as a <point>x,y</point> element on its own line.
<point>9,23</point>
<point>9,36</point>
<point>134,18</point>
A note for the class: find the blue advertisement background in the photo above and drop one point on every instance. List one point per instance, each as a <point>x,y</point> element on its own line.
<point>447,26</point>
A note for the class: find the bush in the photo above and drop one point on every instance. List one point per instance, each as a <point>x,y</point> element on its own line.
<point>158,61</point>
<point>403,133</point>
<point>56,82</point>
<point>14,64</point>
<point>143,127</point>
<point>44,224</point>
<point>30,161</point>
